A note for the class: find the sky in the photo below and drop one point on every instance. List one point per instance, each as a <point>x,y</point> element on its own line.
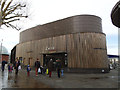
<point>45,11</point>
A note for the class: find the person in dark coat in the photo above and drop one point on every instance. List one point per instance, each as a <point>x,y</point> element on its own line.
<point>3,65</point>
<point>44,69</point>
<point>50,67</point>
<point>58,66</point>
<point>37,65</point>
<point>16,65</point>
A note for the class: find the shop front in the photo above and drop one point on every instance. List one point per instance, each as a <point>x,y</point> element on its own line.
<point>55,56</point>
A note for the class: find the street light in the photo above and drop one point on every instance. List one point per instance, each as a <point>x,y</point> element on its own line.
<point>1,51</point>
<point>0,14</point>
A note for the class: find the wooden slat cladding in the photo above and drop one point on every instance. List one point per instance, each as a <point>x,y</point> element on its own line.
<point>74,24</point>
<point>85,50</point>
<point>94,52</point>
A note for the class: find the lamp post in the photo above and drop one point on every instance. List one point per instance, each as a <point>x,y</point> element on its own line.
<point>1,51</point>
<point>0,14</point>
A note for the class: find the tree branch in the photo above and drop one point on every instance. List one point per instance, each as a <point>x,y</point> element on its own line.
<point>7,7</point>
<point>3,4</point>
<point>10,25</point>
<point>12,20</point>
<point>15,17</point>
<point>11,7</point>
<point>6,25</point>
<point>11,11</point>
<point>14,27</point>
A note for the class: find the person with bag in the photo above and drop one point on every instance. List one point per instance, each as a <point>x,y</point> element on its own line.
<point>41,68</point>
<point>50,67</point>
<point>39,71</point>
<point>37,65</point>
<point>16,65</point>
<point>28,70</point>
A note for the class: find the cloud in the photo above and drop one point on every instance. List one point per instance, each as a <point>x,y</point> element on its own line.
<point>10,37</point>
<point>112,50</point>
<point>44,11</point>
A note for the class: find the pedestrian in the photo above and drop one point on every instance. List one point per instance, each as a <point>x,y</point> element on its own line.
<point>44,69</point>
<point>62,72</point>
<point>41,68</point>
<point>16,65</point>
<point>3,64</point>
<point>28,70</point>
<point>37,65</point>
<point>58,66</point>
<point>50,67</point>
<point>47,71</point>
<point>10,68</point>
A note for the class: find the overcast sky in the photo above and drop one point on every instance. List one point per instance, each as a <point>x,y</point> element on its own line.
<point>45,11</point>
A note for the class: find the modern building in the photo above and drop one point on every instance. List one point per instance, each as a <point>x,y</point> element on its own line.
<point>115,14</point>
<point>4,55</point>
<point>13,55</point>
<point>78,41</point>
<point>113,58</point>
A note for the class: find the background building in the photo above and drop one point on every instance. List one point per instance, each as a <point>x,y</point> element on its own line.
<point>113,60</point>
<point>4,55</point>
<point>78,41</point>
<point>13,55</point>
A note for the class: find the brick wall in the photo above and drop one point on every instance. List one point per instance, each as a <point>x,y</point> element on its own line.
<point>5,57</point>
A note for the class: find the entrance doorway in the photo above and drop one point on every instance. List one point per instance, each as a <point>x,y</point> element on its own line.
<point>54,57</point>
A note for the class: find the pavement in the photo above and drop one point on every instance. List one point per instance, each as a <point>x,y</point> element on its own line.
<point>75,80</point>
<point>69,80</point>
<point>10,80</point>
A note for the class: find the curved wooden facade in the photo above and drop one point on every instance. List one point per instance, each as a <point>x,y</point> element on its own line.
<point>75,24</point>
<point>84,43</point>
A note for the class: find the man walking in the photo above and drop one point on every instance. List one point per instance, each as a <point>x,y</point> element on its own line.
<point>16,65</point>
<point>37,65</point>
<point>58,66</point>
<point>3,65</point>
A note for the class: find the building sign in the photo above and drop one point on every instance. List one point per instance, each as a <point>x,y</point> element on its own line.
<point>51,50</point>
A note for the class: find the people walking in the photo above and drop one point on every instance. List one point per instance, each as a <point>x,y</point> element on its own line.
<point>16,65</point>
<point>37,65</point>
<point>28,70</point>
<point>3,65</point>
<point>10,68</point>
<point>50,67</point>
<point>58,66</point>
